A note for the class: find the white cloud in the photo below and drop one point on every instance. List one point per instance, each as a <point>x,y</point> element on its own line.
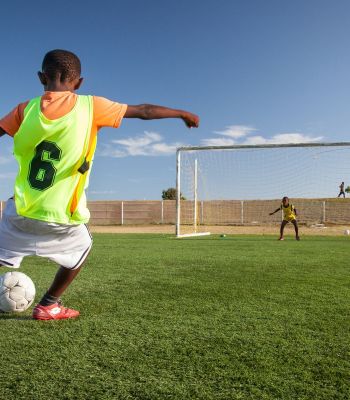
<point>152,144</point>
<point>230,135</point>
<point>218,142</point>
<point>239,134</point>
<point>108,151</point>
<point>148,144</point>
<point>165,149</point>
<point>236,131</point>
<point>138,146</point>
<point>255,140</point>
<point>283,138</point>
<point>141,141</point>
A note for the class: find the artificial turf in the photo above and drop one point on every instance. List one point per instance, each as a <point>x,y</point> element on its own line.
<point>240,317</point>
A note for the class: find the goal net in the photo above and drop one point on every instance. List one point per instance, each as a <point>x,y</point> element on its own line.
<point>240,185</point>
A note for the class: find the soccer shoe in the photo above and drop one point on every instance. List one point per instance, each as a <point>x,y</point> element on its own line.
<point>297,238</point>
<point>54,311</point>
<point>281,239</point>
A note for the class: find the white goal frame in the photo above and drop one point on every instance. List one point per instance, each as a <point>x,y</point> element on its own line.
<point>233,147</point>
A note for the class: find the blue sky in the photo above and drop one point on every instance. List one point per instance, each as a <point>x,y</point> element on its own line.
<point>254,71</point>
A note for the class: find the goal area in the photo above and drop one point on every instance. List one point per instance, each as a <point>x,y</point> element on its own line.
<point>239,186</point>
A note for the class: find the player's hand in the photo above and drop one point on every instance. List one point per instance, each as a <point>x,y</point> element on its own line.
<point>191,120</point>
<point>270,213</point>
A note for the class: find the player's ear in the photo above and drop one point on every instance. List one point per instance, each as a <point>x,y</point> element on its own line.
<point>42,78</point>
<point>78,83</point>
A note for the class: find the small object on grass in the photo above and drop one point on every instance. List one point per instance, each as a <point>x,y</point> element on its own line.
<point>223,235</point>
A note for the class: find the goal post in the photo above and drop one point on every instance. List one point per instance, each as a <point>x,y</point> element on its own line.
<point>194,194</point>
<point>222,186</point>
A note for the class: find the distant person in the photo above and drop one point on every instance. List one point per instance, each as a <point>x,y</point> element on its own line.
<point>54,142</point>
<point>341,190</point>
<point>289,215</point>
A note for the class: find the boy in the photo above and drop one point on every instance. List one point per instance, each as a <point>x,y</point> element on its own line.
<point>341,190</point>
<point>54,142</point>
<point>289,215</point>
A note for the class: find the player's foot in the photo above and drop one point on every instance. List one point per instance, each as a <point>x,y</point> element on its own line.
<point>297,238</point>
<point>54,311</point>
<point>281,238</point>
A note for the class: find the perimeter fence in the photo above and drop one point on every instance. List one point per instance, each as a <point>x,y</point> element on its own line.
<point>214,212</point>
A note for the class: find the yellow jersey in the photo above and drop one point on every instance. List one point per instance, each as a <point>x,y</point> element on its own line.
<point>288,212</point>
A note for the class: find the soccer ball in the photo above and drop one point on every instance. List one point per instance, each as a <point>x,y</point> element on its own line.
<point>17,292</point>
<point>347,232</point>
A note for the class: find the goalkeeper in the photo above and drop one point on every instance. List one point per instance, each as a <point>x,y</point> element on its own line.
<point>289,215</point>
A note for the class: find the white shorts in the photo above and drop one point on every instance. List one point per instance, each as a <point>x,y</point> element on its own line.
<point>67,245</point>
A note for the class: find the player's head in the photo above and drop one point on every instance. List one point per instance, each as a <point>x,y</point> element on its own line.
<point>285,200</point>
<point>61,67</point>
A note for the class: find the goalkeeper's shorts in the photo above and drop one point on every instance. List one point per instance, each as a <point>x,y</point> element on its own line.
<point>66,245</point>
<point>289,219</point>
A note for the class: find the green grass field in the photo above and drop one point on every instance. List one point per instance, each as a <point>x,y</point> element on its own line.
<point>241,317</point>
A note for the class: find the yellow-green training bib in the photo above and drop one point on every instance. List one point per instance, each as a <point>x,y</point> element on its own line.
<point>49,154</point>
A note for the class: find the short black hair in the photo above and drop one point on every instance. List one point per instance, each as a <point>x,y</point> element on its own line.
<point>62,63</point>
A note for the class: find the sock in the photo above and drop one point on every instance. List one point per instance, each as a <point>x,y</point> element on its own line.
<point>48,300</point>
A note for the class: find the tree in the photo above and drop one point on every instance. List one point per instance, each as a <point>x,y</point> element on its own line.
<point>347,189</point>
<point>170,194</point>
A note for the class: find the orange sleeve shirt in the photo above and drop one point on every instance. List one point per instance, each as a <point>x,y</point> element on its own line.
<point>55,105</point>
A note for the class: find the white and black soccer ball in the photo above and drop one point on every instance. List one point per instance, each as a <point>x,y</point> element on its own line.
<point>17,292</point>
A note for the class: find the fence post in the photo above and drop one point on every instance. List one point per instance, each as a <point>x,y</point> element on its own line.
<point>242,212</point>
<point>202,213</point>
<point>323,212</point>
<point>122,213</point>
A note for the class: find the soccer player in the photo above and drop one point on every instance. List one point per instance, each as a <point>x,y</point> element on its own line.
<point>54,141</point>
<point>289,215</point>
<point>341,190</point>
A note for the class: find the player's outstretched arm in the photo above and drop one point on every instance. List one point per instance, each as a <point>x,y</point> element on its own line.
<point>151,111</point>
<point>274,212</point>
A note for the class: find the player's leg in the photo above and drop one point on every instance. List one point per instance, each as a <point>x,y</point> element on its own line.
<point>63,278</point>
<point>67,246</point>
<point>80,242</point>
<point>283,224</point>
<point>50,307</point>
<point>13,241</point>
<point>65,275</point>
<point>295,223</point>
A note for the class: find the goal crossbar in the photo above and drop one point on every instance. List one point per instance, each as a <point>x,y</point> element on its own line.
<point>262,146</point>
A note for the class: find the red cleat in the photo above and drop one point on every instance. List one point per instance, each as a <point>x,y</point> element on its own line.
<point>55,311</point>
